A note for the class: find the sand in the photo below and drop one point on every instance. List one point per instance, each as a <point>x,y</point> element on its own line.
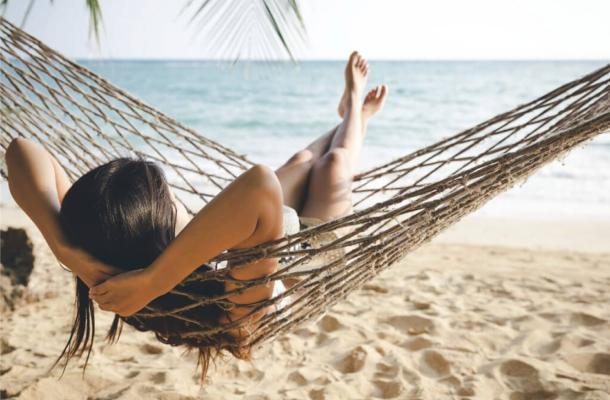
<point>519,311</point>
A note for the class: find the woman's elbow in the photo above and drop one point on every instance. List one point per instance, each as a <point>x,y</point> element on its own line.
<point>14,149</point>
<point>265,182</point>
<point>14,155</point>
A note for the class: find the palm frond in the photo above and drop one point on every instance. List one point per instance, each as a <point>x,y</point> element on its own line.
<point>232,29</point>
<point>26,15</point>
<point>249,29</point>
<point>95,19</point>
<point>93,6</point>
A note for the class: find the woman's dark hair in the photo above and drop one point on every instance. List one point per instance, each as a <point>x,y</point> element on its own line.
<point>123,214</point>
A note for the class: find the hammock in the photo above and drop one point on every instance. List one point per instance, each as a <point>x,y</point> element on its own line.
<point>84,121</point>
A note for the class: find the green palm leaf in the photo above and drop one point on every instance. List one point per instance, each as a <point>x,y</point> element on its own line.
<point>95,18</point>
<point>257,29</point>
<point>232,29</point>
<point>93,6</point>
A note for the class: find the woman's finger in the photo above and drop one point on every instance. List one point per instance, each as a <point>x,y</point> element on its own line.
<point>105,305</point>
<point>110,307</point>
<point>99,289</point>
<point>103,298</point>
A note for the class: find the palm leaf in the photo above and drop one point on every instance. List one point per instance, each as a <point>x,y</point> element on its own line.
<point>27,13</point>
<point>95,18</point>
<point>232,29</point>
<point>93,6</point>
<point>254,29</point>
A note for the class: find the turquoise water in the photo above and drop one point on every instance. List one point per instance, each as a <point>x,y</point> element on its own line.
<point>269,111</point>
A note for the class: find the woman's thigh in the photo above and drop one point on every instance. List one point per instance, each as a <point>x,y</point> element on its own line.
<point>293,177</point>
<point>295,172</point>
<point>329,194</point>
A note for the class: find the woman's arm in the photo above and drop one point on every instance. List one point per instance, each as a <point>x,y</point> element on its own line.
<point>38,184</point>
<point>246,213</point>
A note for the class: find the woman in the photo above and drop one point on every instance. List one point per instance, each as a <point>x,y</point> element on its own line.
<point>122,216</point>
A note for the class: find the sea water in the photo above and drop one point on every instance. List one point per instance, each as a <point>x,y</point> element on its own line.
<point>270,110</point>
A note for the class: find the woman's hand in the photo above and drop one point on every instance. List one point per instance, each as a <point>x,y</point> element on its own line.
<point>125,294</point>
<point>88,268</point>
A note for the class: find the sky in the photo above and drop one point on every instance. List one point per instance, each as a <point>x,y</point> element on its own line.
<point>379,29</point>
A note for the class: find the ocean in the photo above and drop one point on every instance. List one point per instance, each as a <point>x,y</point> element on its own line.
<point>270,110</point>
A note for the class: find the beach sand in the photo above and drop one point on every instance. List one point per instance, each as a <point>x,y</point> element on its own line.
<point>492,309</point>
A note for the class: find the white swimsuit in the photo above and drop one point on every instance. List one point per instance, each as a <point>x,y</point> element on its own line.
<point>291,226</point>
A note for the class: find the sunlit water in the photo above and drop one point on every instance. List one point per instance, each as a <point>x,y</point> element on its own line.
<point>268,111</point>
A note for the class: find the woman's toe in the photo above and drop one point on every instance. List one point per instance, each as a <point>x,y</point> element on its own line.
<point>384,90</point>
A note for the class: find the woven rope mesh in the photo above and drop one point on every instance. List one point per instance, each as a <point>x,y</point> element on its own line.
<point>84,121</point>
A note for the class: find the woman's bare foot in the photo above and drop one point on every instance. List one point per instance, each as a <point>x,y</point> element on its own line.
<point>356,73</point>
<point>374,101</point>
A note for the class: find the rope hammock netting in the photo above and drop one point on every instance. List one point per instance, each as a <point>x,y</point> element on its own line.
<point>85,121</point>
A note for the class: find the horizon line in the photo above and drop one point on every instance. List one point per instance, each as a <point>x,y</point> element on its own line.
<point>226,60</point>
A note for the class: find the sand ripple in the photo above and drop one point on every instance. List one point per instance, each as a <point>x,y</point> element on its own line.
<point>452,322</point>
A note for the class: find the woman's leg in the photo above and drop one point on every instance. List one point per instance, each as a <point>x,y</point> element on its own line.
<point>329,194</point>
<point>294,174</point>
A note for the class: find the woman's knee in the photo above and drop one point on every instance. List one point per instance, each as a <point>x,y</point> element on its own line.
<point>336,159</point>
<point>301,157</point>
